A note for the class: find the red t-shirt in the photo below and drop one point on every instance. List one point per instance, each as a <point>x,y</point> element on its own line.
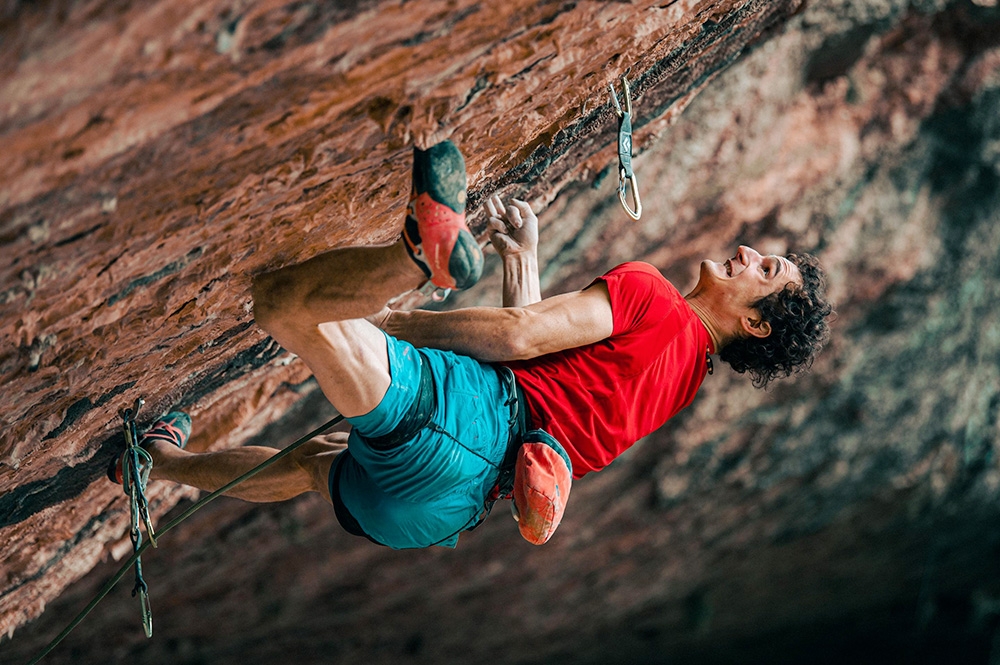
<point>599,399</point>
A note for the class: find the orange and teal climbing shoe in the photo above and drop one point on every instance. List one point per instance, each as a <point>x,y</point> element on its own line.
<point>175,428</point>
<point>435,234</point>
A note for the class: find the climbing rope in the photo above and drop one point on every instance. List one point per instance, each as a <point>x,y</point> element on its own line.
<point>625,174</point>
<point>140,548</point>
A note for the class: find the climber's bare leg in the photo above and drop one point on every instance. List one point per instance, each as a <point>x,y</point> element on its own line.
<point>313,310</point>
<point>349,359</point>
<point>316,309</point>
<point>306,469</point>
<point>347,283</point>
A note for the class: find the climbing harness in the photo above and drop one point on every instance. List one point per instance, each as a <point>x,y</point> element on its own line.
<point>625,174</point>
<point>130,423</point>
<point>136,467</point>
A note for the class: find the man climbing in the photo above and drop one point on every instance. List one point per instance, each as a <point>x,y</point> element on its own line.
<point>438,399</point>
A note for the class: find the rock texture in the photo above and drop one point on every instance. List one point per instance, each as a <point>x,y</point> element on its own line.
<point>159,155</point>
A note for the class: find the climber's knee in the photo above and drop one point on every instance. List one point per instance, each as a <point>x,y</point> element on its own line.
<point>315,458</point>
<point>276,302</point>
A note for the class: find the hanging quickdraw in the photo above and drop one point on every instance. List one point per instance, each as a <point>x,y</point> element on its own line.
<point>625,173</point>
<point>129,416</point>
<point>136,467</point>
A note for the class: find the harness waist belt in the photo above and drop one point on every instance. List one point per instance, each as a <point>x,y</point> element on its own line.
<point>519,419</point>
<point>416,417</point>
<point>520,424</point>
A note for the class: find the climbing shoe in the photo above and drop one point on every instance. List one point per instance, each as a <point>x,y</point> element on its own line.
<point>173,428</point>
<point>435,233</point>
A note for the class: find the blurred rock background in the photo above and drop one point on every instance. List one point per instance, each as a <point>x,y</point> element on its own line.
<point>158,154</point>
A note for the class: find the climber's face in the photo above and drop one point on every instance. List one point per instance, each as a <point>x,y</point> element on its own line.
<point>731,288</point>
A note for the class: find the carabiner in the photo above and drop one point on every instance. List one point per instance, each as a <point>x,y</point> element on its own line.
<point>637,213</point>
<point>626,175</point>
<point>628,98</point>
<point>147,612</point>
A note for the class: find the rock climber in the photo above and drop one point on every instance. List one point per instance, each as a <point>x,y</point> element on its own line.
<point>437,400</point>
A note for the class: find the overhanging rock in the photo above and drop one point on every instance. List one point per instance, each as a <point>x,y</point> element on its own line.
<point>157,155</point>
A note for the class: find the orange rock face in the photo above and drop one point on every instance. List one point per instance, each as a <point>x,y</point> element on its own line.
<point>156,156</point>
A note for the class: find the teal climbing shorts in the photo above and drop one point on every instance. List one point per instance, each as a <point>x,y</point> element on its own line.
<point>428,489</point>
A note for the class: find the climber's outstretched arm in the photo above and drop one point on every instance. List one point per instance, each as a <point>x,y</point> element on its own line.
<point>527,326</point>
<point>494,334</point>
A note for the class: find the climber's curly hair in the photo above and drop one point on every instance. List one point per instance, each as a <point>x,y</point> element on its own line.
<point>799,328</point>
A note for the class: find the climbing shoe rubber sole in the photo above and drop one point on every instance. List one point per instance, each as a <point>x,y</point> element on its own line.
<point>435,234</point>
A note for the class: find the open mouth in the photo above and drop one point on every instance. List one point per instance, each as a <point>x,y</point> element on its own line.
<point>732,263</point>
